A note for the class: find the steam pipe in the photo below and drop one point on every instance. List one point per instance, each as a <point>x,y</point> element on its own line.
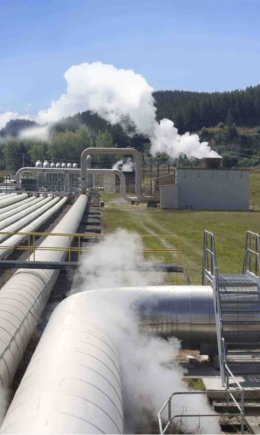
<point>13,198</point>
<point>37,170</point>
<point>46,212</point>
<point>10,209</point>
<point>77,171</point>
<point>10,217</point>
<point>73,382</point>
<point>16,226</point>
<point>130,151</point>
<point>24,296</point>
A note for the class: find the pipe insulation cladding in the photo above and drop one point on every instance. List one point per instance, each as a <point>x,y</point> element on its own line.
<point>24,296</point>
<point>47,211</point>
<point>12,198</point>
<point>17,217</point>
<point>23,205</point>
<point>73,382</point>
<point>13,206</point>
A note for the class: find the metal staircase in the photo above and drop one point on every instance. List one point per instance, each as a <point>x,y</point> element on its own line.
<point>237,307</point>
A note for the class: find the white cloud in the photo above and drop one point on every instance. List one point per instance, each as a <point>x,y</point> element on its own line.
<point>5,117</point>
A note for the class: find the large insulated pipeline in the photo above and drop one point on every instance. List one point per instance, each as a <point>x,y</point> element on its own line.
<point>73,382</point>
<point>16,226</point>
<point>12,198</point>
<point>24,296</point>
<point>137,156</point>
<point>47,211</point>
<point>13,207</point>
<point>10,217</point>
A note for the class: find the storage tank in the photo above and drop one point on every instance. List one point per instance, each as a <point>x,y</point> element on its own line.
<point>38,164</point>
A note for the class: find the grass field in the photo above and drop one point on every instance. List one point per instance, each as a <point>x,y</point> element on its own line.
<point>165,230</point>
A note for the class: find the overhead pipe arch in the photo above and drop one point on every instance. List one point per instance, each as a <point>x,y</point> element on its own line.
<point>77,171</point>
<point>137,156</point>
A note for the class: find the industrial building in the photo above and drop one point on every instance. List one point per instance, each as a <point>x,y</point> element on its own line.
<point>73,382</point>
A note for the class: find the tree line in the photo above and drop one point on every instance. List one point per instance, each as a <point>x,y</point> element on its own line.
<point>229,121</point>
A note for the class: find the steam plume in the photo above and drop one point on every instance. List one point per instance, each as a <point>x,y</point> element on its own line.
<point>118,96</point>
<point>121,96</point>
<point>150,374</point>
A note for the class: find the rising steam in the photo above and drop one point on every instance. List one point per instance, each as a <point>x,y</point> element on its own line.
<point>122,96</point>
<point>118,96</point>
<point>150,372</point>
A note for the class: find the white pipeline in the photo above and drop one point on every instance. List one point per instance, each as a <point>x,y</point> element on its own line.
<point>16,208</point>
<point>10,217</point>
<point>13,206</point>
<point>12,198</point>
<point>73,382</point>
<point>13,227</point>
<point>52,207</point>
<point>24,296</point>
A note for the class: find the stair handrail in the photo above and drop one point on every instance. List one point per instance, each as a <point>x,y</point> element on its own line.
<point>251,261</point>
<point>209,261</point>
<point>229,374</point>
<point>168,405</point>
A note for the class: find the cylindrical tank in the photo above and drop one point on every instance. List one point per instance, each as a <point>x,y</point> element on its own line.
<point>38,164</point>
<point>69,165</point>
<point>46,164</point>
<point>58,165</point>
<point>75,165</point>
<point>63,165</point>
<point>53,165</point>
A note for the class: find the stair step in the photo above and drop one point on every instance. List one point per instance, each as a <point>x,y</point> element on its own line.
<point>241,311</point>
<point>252,407</point>
<point>235,280</point>
<point>239,292</point>
<point>241,322</point>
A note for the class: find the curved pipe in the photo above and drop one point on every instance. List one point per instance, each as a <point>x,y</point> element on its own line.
<point>122,181</point>
<point>137,156</point>
<point>73,382</point>
<point>24,296</point>
<point>24,170</point>
<point>77,171</point>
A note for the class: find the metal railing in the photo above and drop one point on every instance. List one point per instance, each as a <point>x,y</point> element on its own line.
<point>166,423</point>
<point>251,260</point>
<point>233,389</point>
<point>209,262</point>
<point>77,248</point>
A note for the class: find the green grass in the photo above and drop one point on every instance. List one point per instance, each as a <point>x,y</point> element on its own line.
<point>187,227</point>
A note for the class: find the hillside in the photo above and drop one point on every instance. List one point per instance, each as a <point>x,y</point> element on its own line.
<point>229,121</point>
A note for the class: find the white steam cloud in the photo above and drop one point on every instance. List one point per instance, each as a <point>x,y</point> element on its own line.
<point>40,133</point>
<point>124,165</point>
<point>5,117</point>
<point>150,372</point>
<point>122,96</point>
<point>118,96</point>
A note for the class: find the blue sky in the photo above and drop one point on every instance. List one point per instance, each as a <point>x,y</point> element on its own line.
<point>202,45</point>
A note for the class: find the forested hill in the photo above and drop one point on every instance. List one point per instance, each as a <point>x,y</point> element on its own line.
<point>191,111</point>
